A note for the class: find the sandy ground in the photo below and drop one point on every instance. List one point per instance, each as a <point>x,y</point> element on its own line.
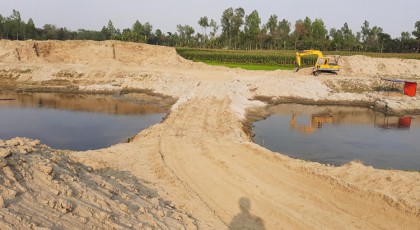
<point>199,167</point>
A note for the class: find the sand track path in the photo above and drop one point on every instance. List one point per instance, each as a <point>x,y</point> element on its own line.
<point>207,163</point>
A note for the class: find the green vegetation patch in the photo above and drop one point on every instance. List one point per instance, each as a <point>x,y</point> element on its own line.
<point>249,59</point>
<point>269,59</point>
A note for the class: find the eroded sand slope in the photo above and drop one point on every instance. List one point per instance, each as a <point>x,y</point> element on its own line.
<point>200,159</point>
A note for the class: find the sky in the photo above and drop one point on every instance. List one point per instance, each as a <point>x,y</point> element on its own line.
<point>394,16</point>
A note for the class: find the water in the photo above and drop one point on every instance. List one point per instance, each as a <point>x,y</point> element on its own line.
<point>76,122</point>
<point>337,134</point>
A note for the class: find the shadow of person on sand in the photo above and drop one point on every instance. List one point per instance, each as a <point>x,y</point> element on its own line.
<point>245,220</point>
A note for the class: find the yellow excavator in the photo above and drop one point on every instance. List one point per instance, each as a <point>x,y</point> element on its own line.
<point>323,64</point>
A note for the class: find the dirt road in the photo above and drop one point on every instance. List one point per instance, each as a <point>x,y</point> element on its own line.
<point>201,159</point>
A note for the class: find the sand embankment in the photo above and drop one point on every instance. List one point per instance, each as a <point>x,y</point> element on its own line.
<point>200,160</point>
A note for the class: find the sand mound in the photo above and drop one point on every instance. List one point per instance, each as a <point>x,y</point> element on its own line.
<point>362,66</point>
<point>42,189</point>
<point>88,52</point>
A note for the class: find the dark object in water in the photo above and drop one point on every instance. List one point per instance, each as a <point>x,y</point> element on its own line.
<point>7,99</point>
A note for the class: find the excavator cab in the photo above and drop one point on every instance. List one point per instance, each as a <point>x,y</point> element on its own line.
<point>323,63</point>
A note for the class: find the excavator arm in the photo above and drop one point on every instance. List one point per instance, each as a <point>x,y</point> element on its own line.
<point>300,54</point>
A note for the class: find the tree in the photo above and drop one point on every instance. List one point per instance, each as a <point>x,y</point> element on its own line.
<point>231,22</point>
<point>105,33</point>
<point>50,32</point>
<point>214,27</point>
<point>272,27</point>
<point>337,39</point>
<point>359,41</point>
<point>227,24</point>
<point>137,31</point>
<point>405,36</point>
<point>284,31</point>
<point>416,33</point>
<point>384,40</point>
<point>263,40</point>
<point>204,23</point>
<point>272,24</point>
<point>111,30</point>
<point>147,31</point>
<point>1,26</point>
<point>374,38</point>
<point>405,41</point>
<point>365,30</point>
<point>65,34</point>
<point>185,34</point>
<point>252,27</point>
<point>127,35</point>
<point>307,33</point>
<point>157,38</point>
<point>237,22</point>
<point>318,34</point>
<point>171,39</point>
<point>370,37</point>
<point>16,23</point>
<point>31,29</point>
<point>349,39</point>
<point>299,32</point>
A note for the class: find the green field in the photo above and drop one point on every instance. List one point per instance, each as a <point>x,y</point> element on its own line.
<point>268,59</point>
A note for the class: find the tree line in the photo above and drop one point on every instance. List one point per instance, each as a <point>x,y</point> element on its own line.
<point>236,30</point>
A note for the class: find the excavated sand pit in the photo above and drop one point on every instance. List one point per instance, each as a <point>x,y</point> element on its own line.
<point>198,168</point>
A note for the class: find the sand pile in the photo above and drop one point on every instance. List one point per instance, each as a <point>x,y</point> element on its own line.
<point>43,189</point>
<point>362,66</point>
<point>87,52</point>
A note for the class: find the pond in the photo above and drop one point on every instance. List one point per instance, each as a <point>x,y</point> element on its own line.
<point>338,134</point>
<point>77,122</point>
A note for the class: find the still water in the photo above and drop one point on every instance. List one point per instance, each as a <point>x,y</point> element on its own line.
<point>337,134</point>
<point>76,122</point>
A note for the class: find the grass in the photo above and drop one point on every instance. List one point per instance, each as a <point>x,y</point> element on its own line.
<point>249,66</point>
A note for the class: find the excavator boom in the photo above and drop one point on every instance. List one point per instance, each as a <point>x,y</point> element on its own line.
<point>300,54</point>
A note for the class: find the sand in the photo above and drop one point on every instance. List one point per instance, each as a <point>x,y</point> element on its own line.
<point>199,164</point>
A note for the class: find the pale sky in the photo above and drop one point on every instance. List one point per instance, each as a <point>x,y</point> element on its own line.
<point>394,16</point>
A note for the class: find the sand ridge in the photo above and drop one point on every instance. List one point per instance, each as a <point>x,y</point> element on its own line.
<point>201,159</point>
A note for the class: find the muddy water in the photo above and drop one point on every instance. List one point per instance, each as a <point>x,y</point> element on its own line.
<point>77,122</point>
<point>336,135</point>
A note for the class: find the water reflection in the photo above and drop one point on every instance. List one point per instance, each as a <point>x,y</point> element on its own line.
<point>317,121</point>
<point>141,104</point>
<point>392,122</point>
<point>339,134</point>
<point>77,122</point>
